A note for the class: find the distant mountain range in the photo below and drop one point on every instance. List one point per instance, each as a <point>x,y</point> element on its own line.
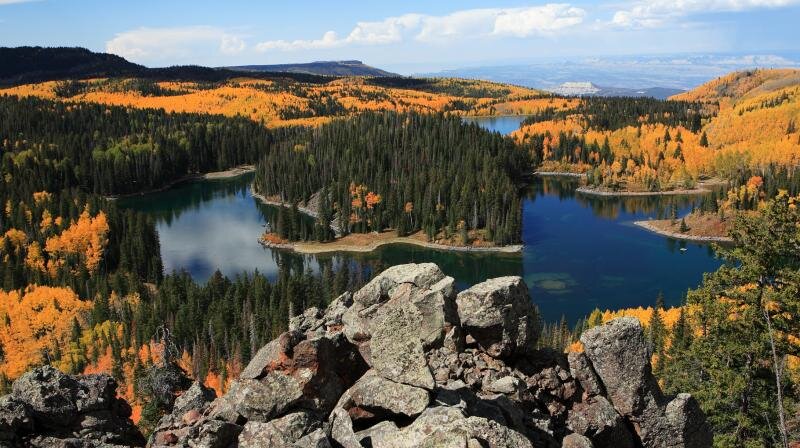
<point>657,76</point>
<point>590,89</point>
<point>325,68</point>
<point>25,65</point>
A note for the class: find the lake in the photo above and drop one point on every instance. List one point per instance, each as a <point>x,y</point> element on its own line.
<point>580,252</point>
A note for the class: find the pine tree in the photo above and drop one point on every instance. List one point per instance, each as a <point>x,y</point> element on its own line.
<point>704,140</point>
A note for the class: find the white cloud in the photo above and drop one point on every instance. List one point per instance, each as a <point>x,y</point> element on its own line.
<point>170,44</point>
<point>653,13</point>
<point>515,22</point>
<point>11,2</point>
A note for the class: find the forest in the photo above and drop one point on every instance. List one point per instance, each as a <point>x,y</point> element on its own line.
<point>115,150</point>
<point>367,174</point>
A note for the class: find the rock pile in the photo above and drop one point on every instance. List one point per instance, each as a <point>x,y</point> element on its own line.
<point>403,362</point>
<point>47,408</point>
<point>407,362</point>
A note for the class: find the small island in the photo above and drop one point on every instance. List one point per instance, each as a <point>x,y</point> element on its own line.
<point>697,227</point>
<point>405,178</point>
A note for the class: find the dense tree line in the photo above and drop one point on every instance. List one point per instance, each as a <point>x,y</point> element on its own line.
<point>612,113</point>
<point>116,150</point>
<point>404,171</point>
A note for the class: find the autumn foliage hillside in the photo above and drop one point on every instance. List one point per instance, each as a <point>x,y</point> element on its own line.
<point>741,123</point>
<point>285,102</point>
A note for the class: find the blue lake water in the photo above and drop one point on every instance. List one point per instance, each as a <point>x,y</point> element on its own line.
<point>580,253</point>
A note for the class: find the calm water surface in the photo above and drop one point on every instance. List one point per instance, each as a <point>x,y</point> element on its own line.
<point>580,252</point>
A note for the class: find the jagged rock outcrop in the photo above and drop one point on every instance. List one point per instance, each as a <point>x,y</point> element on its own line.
<point>408,362</point>
<point>619,356</point>
<point>47,408</point>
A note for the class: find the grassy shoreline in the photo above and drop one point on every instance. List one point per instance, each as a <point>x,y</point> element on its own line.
<point>661,227</point>
<point>369,242</point>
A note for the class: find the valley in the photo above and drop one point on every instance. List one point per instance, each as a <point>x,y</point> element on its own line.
<point>231,228</point>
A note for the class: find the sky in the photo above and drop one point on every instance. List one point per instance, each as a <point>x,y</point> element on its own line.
<point>407,36</point>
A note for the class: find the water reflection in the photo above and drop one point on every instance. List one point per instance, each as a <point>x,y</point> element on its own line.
<point>580,252</point>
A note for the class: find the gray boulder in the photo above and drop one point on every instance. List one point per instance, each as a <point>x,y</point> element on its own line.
<point>423,290</point>
<point>382,398</point>
<point>448,426</point>
<point>619,355</point>
<point>687,420</point>
<point>597,420</point>
<point>396,351</point>
<point>259,401</point>
<point>499,315</point>
<point>381,288</point>
<point>283,432</point>
<point>196,397</point>
<point>582,371</point>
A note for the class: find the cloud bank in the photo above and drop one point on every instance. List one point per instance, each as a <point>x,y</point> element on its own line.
<point>157,44</point>
<point>654,13</point>
<point>544,20</point>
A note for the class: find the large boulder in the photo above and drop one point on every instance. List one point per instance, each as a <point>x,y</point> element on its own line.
<point>374,397</point>
<point>599,421</point>
<point>283,432</point>
<point>297,372</point>
<point>619,355</point>
<point>451,427</point>
<point>499,315</point>
<point>422,289</point>
<point>381,288</point>
<point>396,350</point>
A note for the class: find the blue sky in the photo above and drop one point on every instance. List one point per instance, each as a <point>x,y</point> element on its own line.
<point>404,36</point>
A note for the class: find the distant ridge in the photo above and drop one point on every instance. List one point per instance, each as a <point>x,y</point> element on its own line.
<point>324,68</point>
<point>27,65</point>
<point>35,64</point>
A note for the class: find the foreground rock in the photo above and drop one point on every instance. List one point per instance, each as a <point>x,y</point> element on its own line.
<point>47,408</point>
<point>407,362</point>
<point>618,354</point>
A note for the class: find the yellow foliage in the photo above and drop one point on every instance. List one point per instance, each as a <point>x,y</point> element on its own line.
<point>265,101</point>
<point>39,320</point>
<point>86,238</point>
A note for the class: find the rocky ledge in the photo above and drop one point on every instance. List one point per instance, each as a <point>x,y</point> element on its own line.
<point>407,362</point>
<point>47,408</point>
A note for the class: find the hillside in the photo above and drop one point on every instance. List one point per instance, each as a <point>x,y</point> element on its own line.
<point>739,85</point>
<point>324,68</point>
<point>281,101</point>
<point>34,64</point>
<point>757,116</point>
<point>734,127</point>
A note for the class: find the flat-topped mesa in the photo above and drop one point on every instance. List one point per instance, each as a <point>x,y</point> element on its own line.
<point>407,362</point>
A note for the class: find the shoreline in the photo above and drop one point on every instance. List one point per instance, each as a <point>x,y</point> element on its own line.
<point>559,174</point>
<point>648,225</point>
<point>264,200</point>
<point>336,246</point>
<point>604,193</point>
<point>701,188</point>
<point>213,175</point>
<point>310,248</point>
